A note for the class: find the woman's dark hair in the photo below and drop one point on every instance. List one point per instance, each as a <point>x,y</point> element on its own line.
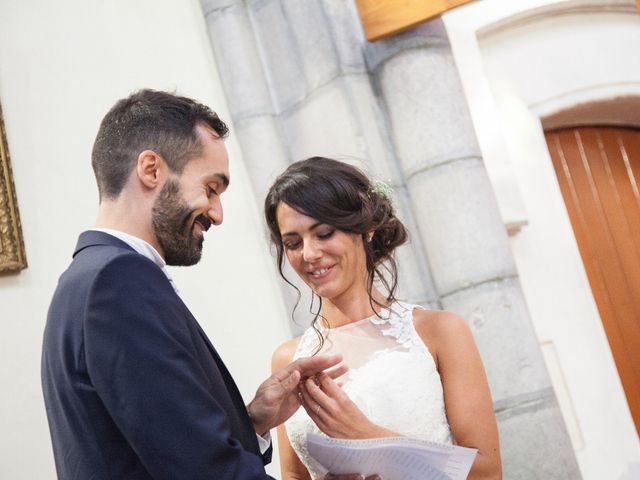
<point>340,195</point>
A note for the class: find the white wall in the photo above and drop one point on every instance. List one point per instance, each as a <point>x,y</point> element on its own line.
<point>62,65</point>
<point>519,68</point>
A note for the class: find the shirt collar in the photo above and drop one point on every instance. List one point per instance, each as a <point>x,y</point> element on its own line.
<point>143,248</point>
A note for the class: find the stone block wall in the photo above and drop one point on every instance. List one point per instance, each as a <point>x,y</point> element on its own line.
<point>301,80</point>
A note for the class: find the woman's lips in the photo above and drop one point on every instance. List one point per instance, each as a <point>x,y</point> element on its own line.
<point>319,273</point>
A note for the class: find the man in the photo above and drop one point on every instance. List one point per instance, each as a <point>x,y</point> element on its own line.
<point>132,385</point>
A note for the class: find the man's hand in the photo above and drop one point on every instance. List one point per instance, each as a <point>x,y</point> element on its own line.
<point>277,398</point>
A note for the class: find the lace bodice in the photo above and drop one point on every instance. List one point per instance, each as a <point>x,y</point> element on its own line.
<point>392,378</point>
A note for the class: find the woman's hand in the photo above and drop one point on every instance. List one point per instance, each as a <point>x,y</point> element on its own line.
<point>333,411</point>
<point>276,398</point>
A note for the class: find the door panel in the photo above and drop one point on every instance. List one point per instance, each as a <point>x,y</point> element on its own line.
<point>598,169</point>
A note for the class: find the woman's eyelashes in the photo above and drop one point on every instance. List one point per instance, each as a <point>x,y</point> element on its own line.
<point>291,245</point>
<point>323,235</point>
<point>295,243</point>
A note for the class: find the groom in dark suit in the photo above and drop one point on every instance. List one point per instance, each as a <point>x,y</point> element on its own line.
<point>132,385</point>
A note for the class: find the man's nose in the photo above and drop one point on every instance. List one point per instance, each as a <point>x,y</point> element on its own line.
<point>215,212</point>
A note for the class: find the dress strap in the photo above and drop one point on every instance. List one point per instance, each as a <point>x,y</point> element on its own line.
<point>398,323</point>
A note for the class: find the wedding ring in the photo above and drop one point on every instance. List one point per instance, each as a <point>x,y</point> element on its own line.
<point>318,411</point>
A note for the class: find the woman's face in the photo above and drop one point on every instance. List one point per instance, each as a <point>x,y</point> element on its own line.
<point>330,261</point>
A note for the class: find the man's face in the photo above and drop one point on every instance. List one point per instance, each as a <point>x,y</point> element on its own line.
<point>189,204</point>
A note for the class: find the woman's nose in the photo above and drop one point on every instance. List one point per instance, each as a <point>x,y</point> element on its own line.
<point>310,252</point>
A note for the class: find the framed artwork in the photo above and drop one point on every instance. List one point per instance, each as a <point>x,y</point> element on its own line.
<point>12,253</point>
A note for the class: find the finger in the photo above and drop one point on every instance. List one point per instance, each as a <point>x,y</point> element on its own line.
<point>292,381</point>
<point>283,374</point>
<point>309,366</point>
<point>299,394</point>
<point>330,388</point>
<point>337,371</point>
<point>317,395</point>
<point>306,398</point>
<point>348,476</point>
<point>306,367</point>
<point>312,407</point>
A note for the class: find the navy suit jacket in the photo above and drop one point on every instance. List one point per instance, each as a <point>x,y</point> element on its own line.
<point>133,387</point>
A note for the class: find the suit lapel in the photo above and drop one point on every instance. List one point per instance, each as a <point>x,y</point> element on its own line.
<point>233,391</point>
<point>228,380</point>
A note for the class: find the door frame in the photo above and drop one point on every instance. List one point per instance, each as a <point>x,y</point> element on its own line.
<point>467,26</point>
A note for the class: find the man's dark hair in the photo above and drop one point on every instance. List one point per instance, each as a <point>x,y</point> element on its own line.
<point>148,120</point>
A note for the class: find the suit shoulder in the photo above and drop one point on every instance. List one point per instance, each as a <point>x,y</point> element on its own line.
<point>125,259</point>
<point>128,267</point>
<point>97,265</point>
<point>132,290</point>
<point>92,260</point>
<point>283,355</point>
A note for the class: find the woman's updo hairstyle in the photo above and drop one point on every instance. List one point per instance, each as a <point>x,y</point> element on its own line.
<point>340,195</point>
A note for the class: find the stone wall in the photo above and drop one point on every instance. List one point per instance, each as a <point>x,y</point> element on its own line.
<point>301,80</point>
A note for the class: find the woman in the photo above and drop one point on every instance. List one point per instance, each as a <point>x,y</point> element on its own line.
<point>413,372</point>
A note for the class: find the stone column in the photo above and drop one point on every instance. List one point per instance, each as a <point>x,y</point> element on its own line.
<point>301,80</point>
<point>247,92</point>
<point>297,85</point>
<point>466,244</point>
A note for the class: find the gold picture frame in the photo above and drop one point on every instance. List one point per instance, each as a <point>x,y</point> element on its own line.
<point>12,252</point>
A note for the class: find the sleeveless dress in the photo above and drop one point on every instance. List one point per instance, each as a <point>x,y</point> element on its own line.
<point>392,378</point>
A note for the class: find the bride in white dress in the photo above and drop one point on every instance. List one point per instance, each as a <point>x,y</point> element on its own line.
<point>412,372</point>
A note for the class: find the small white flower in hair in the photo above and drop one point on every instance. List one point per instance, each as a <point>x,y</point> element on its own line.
<point>382,189</point>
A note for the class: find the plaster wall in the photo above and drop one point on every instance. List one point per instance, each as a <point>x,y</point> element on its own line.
<point>519,63</point>
<point>62,65</point>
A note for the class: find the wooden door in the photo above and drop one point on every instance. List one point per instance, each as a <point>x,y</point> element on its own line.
<point>598,169</point>
<point>381,18</point>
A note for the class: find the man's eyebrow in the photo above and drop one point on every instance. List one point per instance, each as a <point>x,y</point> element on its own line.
<point>221,177</point>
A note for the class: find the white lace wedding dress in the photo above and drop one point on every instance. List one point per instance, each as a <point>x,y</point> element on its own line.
<point>392,378</point>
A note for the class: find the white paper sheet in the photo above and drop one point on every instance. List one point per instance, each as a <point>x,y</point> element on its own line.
<point>396,458</point>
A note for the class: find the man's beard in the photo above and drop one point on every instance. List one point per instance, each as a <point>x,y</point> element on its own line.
<point>173,227</point>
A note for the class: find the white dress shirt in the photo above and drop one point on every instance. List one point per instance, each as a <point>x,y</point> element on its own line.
<point>146,249</point>
<point>143,248</point>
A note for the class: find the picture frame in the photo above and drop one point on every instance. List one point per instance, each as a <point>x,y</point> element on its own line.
<point>12,252</point>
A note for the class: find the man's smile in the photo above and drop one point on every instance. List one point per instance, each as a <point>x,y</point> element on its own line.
<point>203,221</point>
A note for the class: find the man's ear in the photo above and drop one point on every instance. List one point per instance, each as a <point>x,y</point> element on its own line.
<point>150,168</point>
